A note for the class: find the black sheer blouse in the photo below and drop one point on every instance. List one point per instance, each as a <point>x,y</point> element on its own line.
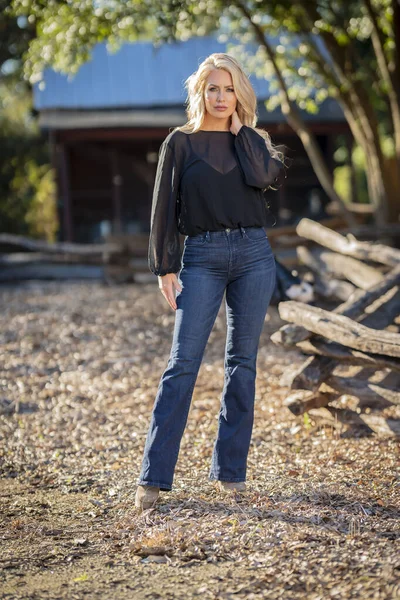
<point>208,180</point>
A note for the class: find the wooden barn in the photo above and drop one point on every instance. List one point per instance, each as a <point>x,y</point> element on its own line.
<point>105,126</point>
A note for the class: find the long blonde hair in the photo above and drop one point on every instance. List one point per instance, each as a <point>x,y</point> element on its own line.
<point>246,97</point>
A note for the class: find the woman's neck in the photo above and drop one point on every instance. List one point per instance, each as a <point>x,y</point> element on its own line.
<point>210,124</point>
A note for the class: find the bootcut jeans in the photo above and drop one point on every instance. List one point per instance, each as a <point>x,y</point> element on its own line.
<point>240,264</point>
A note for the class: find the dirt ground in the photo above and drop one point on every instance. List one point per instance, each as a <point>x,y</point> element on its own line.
<point>79,369</point>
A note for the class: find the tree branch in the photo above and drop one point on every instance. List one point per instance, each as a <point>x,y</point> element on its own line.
<point>294,118</point>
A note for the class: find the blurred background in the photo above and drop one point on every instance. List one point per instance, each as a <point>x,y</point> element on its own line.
<point>89,90</point>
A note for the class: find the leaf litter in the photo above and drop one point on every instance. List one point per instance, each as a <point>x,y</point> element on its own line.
<point>79,368</point>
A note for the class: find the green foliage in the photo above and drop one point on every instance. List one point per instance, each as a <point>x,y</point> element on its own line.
<point>14,41</point>
<point>27,189</point>
<point>67,33</point>
<point>342,172</point>
<point>34,187</point>
<point>342,182</point>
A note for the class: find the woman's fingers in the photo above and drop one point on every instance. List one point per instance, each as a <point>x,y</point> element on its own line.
<point>170,301</point>
<point>177,285</point>
<point>167,292</point>
<point>166,285</point>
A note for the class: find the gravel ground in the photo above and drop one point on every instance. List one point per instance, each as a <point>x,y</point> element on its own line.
<point>79,368</point>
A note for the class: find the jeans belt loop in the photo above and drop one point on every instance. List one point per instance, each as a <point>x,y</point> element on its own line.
<point>242,230</point>
<point>208,237</point>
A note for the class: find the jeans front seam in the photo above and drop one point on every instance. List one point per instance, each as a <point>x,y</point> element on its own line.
<point>186,416</point>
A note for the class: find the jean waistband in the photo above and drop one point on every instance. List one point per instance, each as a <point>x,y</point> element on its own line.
<point>222,233</point>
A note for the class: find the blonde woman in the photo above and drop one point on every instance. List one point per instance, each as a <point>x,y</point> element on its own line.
<point>209,186</point>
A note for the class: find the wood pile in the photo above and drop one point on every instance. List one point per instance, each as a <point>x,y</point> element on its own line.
<point>354,348</point>
<point>115,261</point>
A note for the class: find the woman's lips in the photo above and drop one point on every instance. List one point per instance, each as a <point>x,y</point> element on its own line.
<point>220,107</point>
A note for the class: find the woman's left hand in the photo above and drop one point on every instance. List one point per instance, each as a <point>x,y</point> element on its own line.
<point>236,123</point>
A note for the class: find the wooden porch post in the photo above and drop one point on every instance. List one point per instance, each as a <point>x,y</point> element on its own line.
<point>116,191</point>
<point>65,189</point>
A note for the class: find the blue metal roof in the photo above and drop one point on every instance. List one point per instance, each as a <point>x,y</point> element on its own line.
<point>138,75</point>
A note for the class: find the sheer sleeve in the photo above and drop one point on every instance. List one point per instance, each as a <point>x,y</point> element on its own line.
<point>259,168</point>
<point>164,246</point>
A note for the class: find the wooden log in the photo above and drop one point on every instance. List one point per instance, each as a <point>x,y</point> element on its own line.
<point>340,329</point>
<point>343,267</point>
<point>336,352</point>
<point>333,289</point>
<point>51,271</point>
<point>289,334</point>
<point>277,232</point>
<point>378,394</point>
<point>337,417</point>
<point>302,401</point>
<point>58,247</point>
<point>369,393</point>
<point>349,246</point>
<point>370,232</point>
<point>353,308</point>
<point>383,311</point>
<point>16,259</point>
<point>310,375</point>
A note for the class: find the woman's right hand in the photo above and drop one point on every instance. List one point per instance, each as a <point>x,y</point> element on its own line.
<point>168,284</point>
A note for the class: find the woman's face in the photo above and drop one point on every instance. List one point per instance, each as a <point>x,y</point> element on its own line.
<point>219,94</point>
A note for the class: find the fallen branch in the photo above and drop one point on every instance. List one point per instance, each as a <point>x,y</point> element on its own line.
<point>369,393</point>
<point>349,246</point>
<point>302,401</point>
<point>336,352</point>
<point>333,289</point>
<point>343,267</point>
<point>340,329</point>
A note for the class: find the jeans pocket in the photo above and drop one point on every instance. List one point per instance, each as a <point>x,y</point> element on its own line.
<point>254,234</point>
<point>196,240</point>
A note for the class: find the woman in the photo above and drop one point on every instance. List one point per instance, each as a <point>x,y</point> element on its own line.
<point>209,186</point>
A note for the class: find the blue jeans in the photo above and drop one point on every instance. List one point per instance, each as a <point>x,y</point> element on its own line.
<point>239,262</point>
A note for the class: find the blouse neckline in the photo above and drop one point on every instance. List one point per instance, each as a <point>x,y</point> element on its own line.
<point>214,131</point>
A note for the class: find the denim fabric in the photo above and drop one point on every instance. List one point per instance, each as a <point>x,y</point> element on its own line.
<point>240,263</point>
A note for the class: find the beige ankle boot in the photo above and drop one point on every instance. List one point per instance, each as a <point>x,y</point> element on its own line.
<point>146,496</point>
<point>237,486</point>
